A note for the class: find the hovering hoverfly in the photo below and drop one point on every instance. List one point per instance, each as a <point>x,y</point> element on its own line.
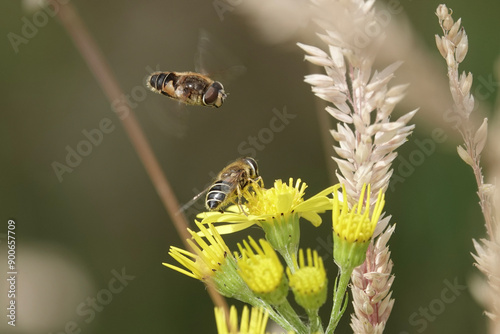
<point>188,87</point>
<point>231,182</point>
<point>229,185</point>
<point>197,87</point>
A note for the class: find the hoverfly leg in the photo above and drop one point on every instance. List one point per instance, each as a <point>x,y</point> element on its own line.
<point>258,181</point>
<point>239,195</point>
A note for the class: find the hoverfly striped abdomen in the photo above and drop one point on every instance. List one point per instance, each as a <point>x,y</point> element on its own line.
<point>158,81</point>
<point>218,194</point>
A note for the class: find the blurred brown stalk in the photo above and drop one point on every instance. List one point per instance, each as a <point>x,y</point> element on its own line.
<point>90,52</point>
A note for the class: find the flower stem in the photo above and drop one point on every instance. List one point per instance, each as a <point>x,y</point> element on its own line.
<point>288,257</point>
<point>287,312</point>
<point>284,315</point>
<point>315,322</point>
<point>339,305</point>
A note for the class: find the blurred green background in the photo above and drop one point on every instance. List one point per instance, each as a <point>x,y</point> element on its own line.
<point>105,217</point>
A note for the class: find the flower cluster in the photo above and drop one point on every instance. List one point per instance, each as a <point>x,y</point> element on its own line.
<point>277,211</point>
<point>256,275</point>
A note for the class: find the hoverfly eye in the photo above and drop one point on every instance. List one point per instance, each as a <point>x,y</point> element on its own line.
<point>210,96</point>
<point>255,169</point>
<point>214,95</point>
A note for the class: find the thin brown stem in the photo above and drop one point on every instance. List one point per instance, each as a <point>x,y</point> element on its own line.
<point>90,52</point>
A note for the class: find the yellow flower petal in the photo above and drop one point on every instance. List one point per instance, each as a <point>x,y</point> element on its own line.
<point>313,217</point>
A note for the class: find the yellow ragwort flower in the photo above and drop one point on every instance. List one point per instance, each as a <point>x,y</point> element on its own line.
<point>262,271</point>
<point>267,205</point>
<point>211,263</point>
<point>209,255</point>
<point>309,283</point>
<point>255,324</point>
<point>353,228</point>
<point>277,211</point>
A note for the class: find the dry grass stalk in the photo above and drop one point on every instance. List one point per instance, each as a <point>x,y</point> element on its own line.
<point>453,46</point>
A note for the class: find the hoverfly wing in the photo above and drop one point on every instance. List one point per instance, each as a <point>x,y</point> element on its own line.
<point>214,60</point>
<point>172,121</point>
<point>194,200</point>
<point>202,52</point>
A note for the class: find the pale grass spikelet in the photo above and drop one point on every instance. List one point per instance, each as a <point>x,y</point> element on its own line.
<point>464,155</point>
<point>488,262</point>
<point>481,136</point>
<point>453,46</point>
<point>371,288</point>
<point>362,101</point>
<point>367,136</point>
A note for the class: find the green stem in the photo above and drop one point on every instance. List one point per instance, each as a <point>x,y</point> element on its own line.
<point>287,312</point>
<point>338,297</point>
<point>288,257</point>
<point>315,322</point>
<point>284,315</point>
